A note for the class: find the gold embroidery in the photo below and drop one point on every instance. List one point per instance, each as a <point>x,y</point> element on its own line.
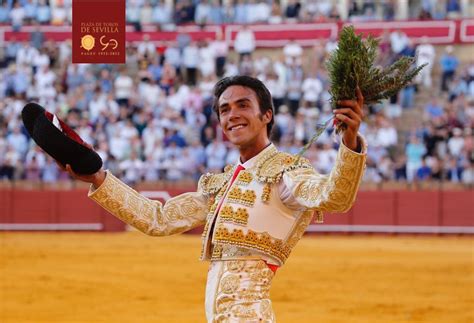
<point>210,184</point>
<point>235,266</point>
<point>247,197</point>
<point>266,193</point>
<point>227,214</point>
<point>271,169</point>
<point>300,228</point>
<point>244,178</point>
<point>179,214</point>
<point>226,251</point>
<point>235,194</point>
<point>335,192</point>
<point>229,284</point>
<point>217,251</point>
<point>244,293</point>
<point>260,241</point>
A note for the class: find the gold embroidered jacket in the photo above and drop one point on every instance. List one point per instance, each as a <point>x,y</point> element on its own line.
<point>254,221</point>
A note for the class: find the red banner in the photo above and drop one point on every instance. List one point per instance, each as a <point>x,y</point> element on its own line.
<point>98,31</point>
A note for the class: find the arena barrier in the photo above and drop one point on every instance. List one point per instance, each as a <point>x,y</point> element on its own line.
<point>395,211</point>
<point>436,32</point>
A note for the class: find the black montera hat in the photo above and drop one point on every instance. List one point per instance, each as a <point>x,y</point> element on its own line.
<point>58,140</point>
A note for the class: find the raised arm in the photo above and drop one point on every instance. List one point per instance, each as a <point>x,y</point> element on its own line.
<point>304,188</point>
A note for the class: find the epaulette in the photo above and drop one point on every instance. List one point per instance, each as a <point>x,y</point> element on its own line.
<point>272,169</point>
<point>211,183</point>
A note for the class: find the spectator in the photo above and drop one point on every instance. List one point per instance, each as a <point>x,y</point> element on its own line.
<point>456,143</point>
<point>292,11</point>
<point>221,50</point>
<point>467,176</point>
<point>326,159</point>
<point>175,167</point>
<point>424,171</point>
<point>45,79</point>
<point>43,14</point>
<point>146,13</point>
<point>17,15</point>
<point>414,151</point>
<point>162,13</point>
<point>4,13</point>
<point>207,60</point>
<point>453,9</point>
<point>18,141</point>
<point>386,135</point>
<point>215,156</point>
<point>453,171</point>
<point>133,16</point>
<point>277,89</point>
<point>203,12</point>
<point>449,63</point>
<point>50,172</point>
<point>133,169</point>
<point>58,14</point>
<point>398,41</point>
<point>312,88</point>
<point>31,9</point>
<point>9,163</point>
<point>241,12</point>
<point>123,85</point>
<point>26,54</point>
<point>146,49</point>
<point>275,14</point>
<point>37,37</point>
<point>244,43</point>
<point>184,12</point>
<point>434,109</point>
<point>173,57</point>
<point>425,54</point>
<point>41,60</point>
<point>293,53</point>
<point>295,82</point>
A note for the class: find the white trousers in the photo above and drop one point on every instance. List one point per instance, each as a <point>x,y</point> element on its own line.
<point>239,291</point>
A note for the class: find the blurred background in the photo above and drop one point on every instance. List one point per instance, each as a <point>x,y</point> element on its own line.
<point>152,123</point>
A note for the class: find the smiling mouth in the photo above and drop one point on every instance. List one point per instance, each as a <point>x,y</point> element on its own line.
<point>237,127</point>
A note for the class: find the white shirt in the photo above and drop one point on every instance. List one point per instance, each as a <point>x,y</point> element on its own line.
<point>245,41</point>
<point>191,56</point>
<point>398,41</point>
<point>146,47</point>
<point>386,136</point>
<point>293,50</point>
<point>425,54</point>
<point>312,88</point>
<point>123,87</point>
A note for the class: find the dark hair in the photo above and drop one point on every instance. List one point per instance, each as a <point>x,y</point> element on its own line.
<point>263,95</point>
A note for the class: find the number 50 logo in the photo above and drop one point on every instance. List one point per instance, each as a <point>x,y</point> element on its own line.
<point>112,42</point>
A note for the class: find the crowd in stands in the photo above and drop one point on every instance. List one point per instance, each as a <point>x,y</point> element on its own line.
<point>152,119</point>
<point>165,14</point>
